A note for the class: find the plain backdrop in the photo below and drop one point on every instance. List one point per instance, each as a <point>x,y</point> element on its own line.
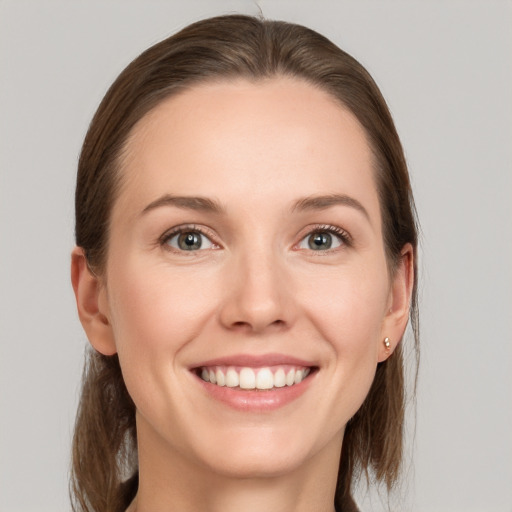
<point>445,68</point>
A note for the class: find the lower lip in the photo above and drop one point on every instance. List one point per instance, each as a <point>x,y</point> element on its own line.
<point>257,400</point>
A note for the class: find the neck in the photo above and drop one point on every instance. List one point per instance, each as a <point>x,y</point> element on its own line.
<point>169,481</point>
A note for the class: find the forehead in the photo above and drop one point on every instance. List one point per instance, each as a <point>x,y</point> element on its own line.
<point>248,139</point>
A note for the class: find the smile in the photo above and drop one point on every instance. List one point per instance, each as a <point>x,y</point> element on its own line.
<point>247,378</point>
<point>255,383</point>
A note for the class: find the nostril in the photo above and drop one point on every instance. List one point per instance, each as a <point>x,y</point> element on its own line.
<point>241,324</point>
<point>248,326</point>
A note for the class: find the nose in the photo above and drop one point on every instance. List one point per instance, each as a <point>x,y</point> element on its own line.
<point>258,296</point>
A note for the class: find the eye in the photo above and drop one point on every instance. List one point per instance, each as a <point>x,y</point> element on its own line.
<point>324,239</point>
<point>188,240</point>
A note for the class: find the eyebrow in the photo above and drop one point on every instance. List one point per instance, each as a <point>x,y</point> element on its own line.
<point>202,204</point>
<point>208,205</point>
<point>327,201</point>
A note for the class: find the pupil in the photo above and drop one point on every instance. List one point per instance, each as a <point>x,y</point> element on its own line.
<point>189,241</point>
<point>320,241</point>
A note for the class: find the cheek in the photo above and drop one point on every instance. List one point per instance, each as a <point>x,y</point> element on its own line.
<point>348,311</point>
<point>155,313</point>
<point>159,303</point>
<point>349,305</point>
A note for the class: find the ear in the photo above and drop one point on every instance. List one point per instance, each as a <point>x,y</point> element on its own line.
<point>92,304</point>
<point>399,302</point>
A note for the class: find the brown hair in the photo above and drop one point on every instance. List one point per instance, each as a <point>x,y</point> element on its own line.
<point>104,445</point>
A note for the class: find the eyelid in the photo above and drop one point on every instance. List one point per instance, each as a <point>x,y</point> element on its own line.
<point>343,235</point>
<point>184,228</point>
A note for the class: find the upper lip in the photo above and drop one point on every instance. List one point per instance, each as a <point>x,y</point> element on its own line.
<point>255,361</point>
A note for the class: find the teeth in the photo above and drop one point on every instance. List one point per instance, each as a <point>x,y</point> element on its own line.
<point>250,378</point>
<point>247,378</point>
<point>221,379</point>
<point>279,378</point>
<point>265,379</point>
<point>232,378</point>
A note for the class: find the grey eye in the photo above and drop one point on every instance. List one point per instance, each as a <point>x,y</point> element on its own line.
<point>189,241</point>
<point>320,241</point>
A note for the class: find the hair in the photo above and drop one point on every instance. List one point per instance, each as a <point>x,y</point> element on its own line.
<point>228,48</point>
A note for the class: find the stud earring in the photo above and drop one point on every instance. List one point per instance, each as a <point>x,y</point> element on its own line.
<point>387,343</point>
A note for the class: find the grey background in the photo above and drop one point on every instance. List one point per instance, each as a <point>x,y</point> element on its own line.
<point>446,71</point>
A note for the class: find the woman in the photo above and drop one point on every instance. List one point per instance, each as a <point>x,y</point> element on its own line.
<point>245,271</point>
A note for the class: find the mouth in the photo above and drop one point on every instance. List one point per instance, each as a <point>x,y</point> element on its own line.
<point>250,378</point>
<point>255,383</point>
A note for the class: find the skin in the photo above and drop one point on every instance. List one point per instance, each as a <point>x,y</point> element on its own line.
<point>256,287</point>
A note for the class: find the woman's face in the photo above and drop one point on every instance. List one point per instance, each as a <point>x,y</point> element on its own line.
<point>246,248</point>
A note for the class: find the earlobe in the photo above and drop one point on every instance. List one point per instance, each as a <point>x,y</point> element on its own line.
<point>395,321</point>
<point>92,304</point>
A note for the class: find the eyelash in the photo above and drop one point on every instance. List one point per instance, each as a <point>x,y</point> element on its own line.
<point>189,228</point>
<point>341,234</point>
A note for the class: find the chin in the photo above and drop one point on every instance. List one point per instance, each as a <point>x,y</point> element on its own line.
<point>257,453</point>
<point>262,465</point>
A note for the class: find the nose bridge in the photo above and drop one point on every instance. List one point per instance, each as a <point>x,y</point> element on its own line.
<point>258,295</point>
